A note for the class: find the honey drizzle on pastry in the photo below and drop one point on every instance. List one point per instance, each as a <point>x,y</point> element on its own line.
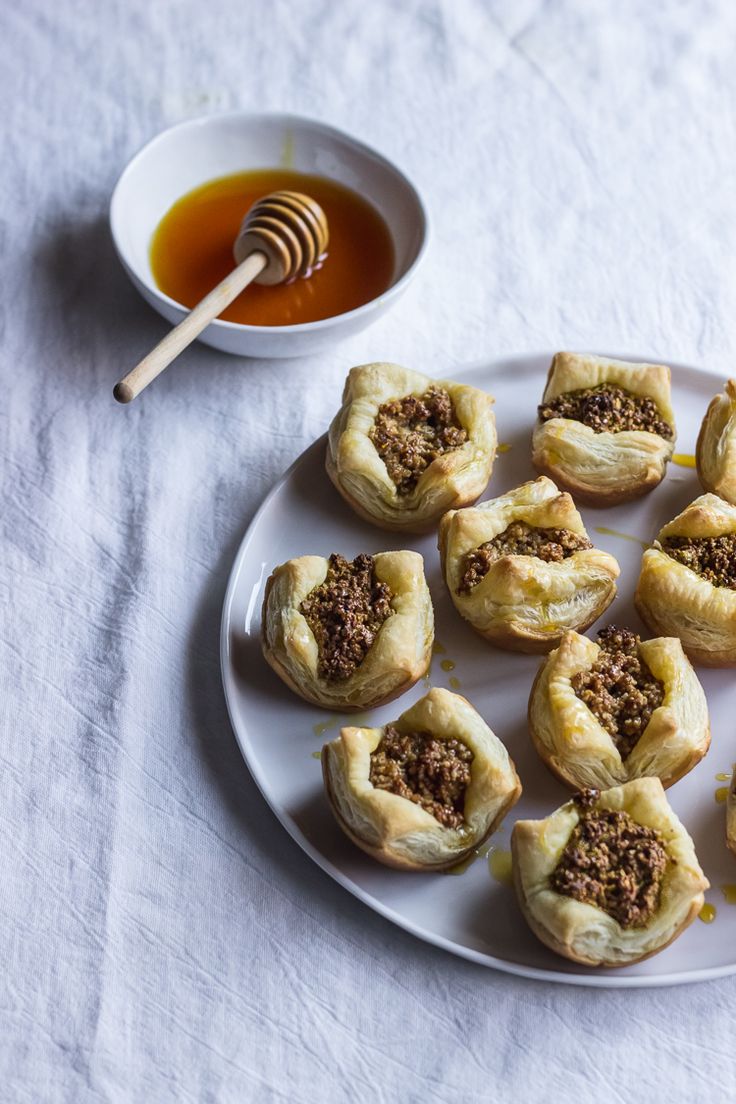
<point>409,433</point>
<point>619,689</point>
<point>520,539</point>
<point>431,772</point>
<point>345,614</point>
<point>612,862</point>
<point>607,409</point>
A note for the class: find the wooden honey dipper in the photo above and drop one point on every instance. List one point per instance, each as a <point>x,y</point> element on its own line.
<point>283,235</point>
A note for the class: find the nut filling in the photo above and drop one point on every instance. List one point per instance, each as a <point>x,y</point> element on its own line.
<point>614,863</point>
<point>410,433</point>
<point>345,613</point>
<point>430,772</point>
<point>606,408</point>
<point>520,539</point>
<point>619,689</point>
<point>712,557</point>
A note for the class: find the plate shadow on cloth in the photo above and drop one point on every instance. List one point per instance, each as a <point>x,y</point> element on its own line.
<point>250,816</point>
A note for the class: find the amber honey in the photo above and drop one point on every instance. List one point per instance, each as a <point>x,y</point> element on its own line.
<point>192,249</point>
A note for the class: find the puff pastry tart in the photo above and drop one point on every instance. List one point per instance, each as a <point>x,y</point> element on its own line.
<point>349,635</point>
<point>403,448</point>
<point>687,585</point>
<point>521,570</point>
<point>609,878</point>
<point>715,453</point>
<point>606,429</point>
<point>420,793</point>
<point>731,815</point>
<point>602,714</point>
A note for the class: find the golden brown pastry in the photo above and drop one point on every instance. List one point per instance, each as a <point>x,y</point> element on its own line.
<point>611,877</point>
<point>687,585</point>
<point>403,448</point>
<point>606,429</point>
<point>602,714</point>
<point>521,570</point>
<point>731,815</point>
<point>349,635</point>
<point>420,793</point>
<point>715,453</point>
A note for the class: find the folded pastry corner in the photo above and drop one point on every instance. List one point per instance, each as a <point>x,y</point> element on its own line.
<point>687,583</point>
<point>605,429</point>
<point>521,569</point>
<point>715,452</point>
<point>421,792</point>
<point>349,635</point>
<point>404,448</point>
<point>604,713</point>
<point>611,877</point>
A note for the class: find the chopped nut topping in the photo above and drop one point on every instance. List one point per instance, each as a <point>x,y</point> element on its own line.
<point>345,613</point>
<point>586,798</point>
<point>520,539</point>
<point>619,689</point>
<point>712,557</point>
<point>430,772</point>
<point>410,433</point>
<point>607,408</point>
<point>614,863</point>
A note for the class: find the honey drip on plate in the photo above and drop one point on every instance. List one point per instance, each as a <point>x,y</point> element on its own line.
<point>721,794</point>
<point>684,460</point>
<point>455,683</point>
<point>340,720</point>
<point>722,777</point>
<point>448,665</point>
<point>316,754</point>
<point>707,913</point>
<point>438,649</point>
<point>462,866</point>
<point>729,894</point>
<point>499,863</point>
<point>323,726</point>
<point>624,536</point>
<point>503,448</point>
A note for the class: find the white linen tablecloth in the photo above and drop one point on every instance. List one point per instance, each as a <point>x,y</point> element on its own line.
<point>163,939</point>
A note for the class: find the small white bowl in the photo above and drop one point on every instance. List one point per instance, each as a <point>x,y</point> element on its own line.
<point>192,153</point>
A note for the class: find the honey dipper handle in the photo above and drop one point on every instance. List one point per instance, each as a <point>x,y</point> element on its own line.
<point>184,334</point>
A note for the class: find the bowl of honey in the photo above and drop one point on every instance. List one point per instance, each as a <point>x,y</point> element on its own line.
<point>177,208</point>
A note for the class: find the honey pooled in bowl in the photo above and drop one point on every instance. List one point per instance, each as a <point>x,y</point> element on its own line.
<point>192,250</point>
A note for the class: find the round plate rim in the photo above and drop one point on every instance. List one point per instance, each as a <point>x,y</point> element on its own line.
<point>608,981</point>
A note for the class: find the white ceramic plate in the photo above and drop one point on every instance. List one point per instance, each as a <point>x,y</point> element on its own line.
<point>470,914</point>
